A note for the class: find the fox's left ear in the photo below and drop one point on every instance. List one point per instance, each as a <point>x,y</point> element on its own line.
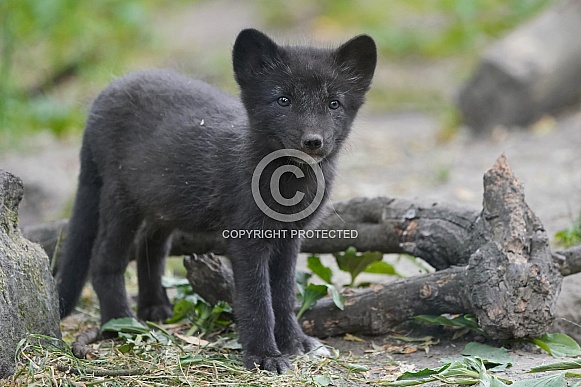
<point>358,55</point>
<point>253,52</point>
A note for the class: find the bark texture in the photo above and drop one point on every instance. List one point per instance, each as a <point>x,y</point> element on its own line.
<point>441,234</point>
<point>28,297</point>
<point>514,282</point>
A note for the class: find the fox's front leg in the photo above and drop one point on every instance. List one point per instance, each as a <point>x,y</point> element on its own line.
<point>253,309</point>
<point>289,336</point>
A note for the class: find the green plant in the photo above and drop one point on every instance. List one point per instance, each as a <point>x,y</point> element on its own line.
<point>464,321</point>
<point>464,371</point>
<point>310,293</point>
<point>355,263</point>
<point>555,344</point>
<point>558,345</point>
<point>135,335</point>
<point>571,235</point>
<point>564,365</point>
<point>44,44</point>
<point>349,261</point>
<point>477,365</point>
<point>205,318</point>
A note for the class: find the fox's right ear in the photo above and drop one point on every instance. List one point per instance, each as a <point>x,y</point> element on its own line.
<point>252,52</point>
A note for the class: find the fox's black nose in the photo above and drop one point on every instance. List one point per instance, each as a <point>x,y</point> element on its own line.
<point>313,142</point>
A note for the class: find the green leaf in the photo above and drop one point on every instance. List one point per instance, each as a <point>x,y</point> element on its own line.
<point>490,381</point>
<point>323,380</point>
<point>354,263</point>
<point>489,355</point>
<point>570,236</point>
<point>563,365</point>
<point>381,267</point>
<point>421,374</point>
<point>419,377</point>
<point>126,325</point>
<point>469,370</point>
<point>558,345</point>
<point>316,266</point>
<point>462,321</point>
<point>302,279</point>
<point>207,318</point>
<point>352,367</point>
<point>466,370</point>
<point>161,334</point>
<point>311,295</point>
<point>338,298</point>
<point>556,380</point>
<point>463,370</point>
<point>191,359</point>
<point>125,348</point>
<point>181,308</point>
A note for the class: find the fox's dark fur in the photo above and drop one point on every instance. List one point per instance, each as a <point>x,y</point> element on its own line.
<point>163,152</point>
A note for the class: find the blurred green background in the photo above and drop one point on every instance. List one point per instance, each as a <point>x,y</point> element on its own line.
<point>57,54</point>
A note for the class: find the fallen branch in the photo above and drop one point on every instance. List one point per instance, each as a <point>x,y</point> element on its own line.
<point>372,311</point>
<point>569,260</point>
<point>442,235</point>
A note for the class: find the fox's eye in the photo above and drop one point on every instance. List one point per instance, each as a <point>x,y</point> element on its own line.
<point>334,104</point>
<point>283,101</point>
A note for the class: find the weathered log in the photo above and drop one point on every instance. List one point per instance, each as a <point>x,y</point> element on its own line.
<point>534,70</point>
<point>511,281</point>
<point>569,260</point>
<point>442,235</point>
<point>390,304</point>
<point>514,282</point>
<point>212,277</point>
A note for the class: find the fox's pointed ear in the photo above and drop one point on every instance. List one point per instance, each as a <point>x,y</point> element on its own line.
<point>252,52</point>
<point>358,55</point>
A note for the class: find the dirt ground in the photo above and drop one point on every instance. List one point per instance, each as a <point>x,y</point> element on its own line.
<point>391,154</point>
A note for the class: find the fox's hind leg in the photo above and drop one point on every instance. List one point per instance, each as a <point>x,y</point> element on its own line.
<point>118,224</point>
<point>153,247</point>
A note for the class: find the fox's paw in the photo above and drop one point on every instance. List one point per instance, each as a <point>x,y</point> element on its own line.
<point>276,363</point>
<point>155,313</point>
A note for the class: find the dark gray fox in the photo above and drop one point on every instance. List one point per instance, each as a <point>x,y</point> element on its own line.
<point>163,152</point>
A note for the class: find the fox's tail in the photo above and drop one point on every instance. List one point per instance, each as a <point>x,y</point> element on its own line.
<point>73,266</point>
